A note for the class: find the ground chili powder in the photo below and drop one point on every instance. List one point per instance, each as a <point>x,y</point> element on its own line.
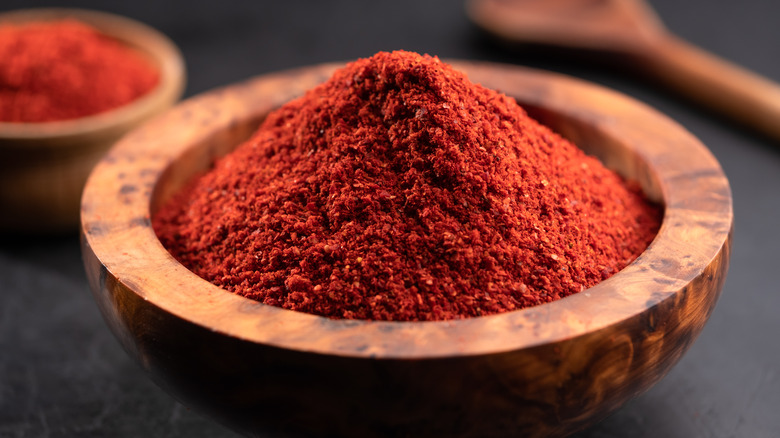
<point>399,190</point>
<point>64,69</point>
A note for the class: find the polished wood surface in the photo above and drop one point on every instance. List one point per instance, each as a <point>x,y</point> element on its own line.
<point>542,371</point>
<point>631,31</point>
<point>44,166</point>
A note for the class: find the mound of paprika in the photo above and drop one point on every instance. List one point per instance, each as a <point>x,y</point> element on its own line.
<point>399,190</point>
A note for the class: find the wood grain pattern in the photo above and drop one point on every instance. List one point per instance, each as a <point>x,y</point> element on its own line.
<point>44,166</point>
<point>632,33</point>
<point>543,371</point>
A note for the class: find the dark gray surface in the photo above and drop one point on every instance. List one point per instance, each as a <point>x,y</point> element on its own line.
<point>63,375</point>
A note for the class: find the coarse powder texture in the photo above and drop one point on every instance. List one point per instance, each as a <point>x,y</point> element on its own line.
<point>64,69</point>
<point>399,190</point>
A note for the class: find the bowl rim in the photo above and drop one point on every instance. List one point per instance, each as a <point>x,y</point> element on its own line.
<point>139,36</point>
<point>694,235</point>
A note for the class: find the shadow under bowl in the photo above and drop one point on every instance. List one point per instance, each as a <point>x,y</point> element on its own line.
<point>542,371</point>
<point>44,166</point>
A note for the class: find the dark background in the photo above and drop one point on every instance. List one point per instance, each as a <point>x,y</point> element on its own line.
<point>62,374</point>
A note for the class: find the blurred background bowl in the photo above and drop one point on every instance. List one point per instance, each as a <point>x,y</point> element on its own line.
<point>43,166</point>
<point>542,371</point>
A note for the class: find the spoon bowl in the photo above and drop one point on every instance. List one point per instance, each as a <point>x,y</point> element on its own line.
<point>615,25</point>
<point>630,32</point>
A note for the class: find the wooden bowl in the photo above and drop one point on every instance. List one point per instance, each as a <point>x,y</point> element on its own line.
<point>543,371</point>
<point>43,166</point>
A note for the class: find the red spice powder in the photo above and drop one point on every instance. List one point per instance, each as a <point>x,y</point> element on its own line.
<point>399,190</point>
<point>64,69</point>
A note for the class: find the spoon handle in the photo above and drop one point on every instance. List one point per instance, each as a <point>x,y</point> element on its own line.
<point>735,92</point>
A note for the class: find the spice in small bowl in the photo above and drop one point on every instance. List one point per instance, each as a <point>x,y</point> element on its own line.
<point>72,82</point>
<point>65,69</point>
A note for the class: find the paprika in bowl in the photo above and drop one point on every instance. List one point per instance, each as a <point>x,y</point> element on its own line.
<point>97,76</point>
<point>549,369</point>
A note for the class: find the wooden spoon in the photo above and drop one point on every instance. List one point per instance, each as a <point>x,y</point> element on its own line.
<point>631,29</point>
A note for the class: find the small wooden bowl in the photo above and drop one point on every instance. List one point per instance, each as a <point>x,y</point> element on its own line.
<point>43,166</point>
<point>542,371</point>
